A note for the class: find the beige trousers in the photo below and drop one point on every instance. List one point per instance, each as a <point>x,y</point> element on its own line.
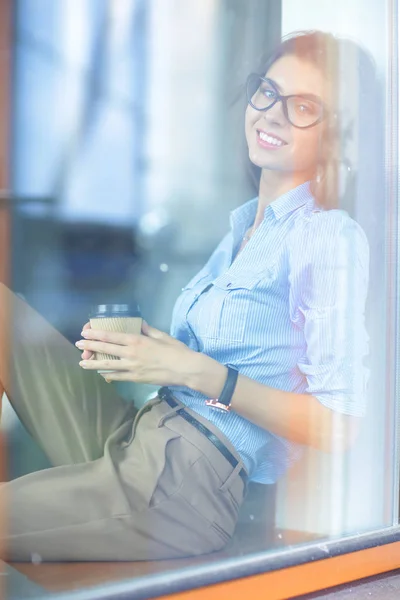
<point>125,485</point>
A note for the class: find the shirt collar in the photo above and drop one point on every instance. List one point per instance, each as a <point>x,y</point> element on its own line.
<point>293,199</point>
<point>288,202</point>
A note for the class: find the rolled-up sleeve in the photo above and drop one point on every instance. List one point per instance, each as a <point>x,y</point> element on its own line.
<point>329,285</point>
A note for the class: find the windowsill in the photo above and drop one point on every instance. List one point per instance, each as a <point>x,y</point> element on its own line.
<point>152,579</point>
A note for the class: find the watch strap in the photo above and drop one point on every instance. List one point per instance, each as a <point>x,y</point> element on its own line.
<point>223,402</point>
<point>227,392</point>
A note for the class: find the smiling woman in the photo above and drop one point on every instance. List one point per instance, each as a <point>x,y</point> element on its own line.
<point>265,356</point>
<point>320,132</point>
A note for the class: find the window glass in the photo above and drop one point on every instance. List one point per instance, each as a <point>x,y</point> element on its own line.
<point>211,186</point>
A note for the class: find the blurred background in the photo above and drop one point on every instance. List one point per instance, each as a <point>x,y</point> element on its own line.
<point>124,143</point>
<point>127,157</point>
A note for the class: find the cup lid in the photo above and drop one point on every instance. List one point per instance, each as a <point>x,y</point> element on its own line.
<point>115,310</point>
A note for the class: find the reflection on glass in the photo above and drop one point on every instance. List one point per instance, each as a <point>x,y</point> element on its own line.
<point>246,427</point>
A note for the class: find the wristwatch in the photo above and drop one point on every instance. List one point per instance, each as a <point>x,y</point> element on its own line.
<point>223,402</point>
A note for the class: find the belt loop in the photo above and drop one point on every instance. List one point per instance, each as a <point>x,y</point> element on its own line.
<point>235,473</point>
<point>168,415</point>
<point>147,406</point>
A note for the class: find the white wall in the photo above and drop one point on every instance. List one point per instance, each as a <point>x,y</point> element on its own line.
<point>362,20</point>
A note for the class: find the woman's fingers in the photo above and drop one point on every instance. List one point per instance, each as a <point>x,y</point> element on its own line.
<point>104,348</point>
<point>118,376</point>
<point>87,354</point>
<point>154,333</point>
<point>104,342</point>
<point>106,365</point>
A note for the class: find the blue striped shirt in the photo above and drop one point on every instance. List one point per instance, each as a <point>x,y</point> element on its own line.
<point>288,312</point>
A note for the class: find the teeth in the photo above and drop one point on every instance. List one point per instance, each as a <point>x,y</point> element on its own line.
<point>269,139</point>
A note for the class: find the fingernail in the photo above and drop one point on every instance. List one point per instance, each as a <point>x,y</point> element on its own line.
<point>79,344</point>
<point>83,364</point>
<point>84,333</point>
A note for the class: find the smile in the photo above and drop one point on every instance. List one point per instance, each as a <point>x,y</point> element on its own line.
<point>269,141</point>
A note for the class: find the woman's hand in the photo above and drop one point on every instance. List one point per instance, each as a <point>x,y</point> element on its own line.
<point>86,354</point>
<point>153,357</point>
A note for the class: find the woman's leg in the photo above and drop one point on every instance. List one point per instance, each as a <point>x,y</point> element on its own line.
<point>161,491</point>
<point>68,411</point>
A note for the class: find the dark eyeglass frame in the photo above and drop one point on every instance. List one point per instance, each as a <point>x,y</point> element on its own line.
<point>284,99</point>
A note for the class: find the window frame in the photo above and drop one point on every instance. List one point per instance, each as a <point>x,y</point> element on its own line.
<point>307,568</point>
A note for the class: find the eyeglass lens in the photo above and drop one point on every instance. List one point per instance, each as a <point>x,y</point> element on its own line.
<point>302,112</point>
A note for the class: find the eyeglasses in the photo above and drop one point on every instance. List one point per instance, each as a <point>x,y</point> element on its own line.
<point>301,111</point>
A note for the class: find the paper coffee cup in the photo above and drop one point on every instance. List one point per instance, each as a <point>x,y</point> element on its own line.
<point>121,318</point>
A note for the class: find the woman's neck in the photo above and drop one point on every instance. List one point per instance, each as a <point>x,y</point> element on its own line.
<point>272,185</point>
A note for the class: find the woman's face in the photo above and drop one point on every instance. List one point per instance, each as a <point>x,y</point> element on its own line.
<point>299,149</point>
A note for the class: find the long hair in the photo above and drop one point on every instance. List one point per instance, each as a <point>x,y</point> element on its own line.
<point>354,100</point>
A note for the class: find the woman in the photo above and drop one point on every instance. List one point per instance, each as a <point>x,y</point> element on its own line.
<point>265,355</point>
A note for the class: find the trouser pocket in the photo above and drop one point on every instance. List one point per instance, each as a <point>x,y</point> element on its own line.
<point>219,505</point>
